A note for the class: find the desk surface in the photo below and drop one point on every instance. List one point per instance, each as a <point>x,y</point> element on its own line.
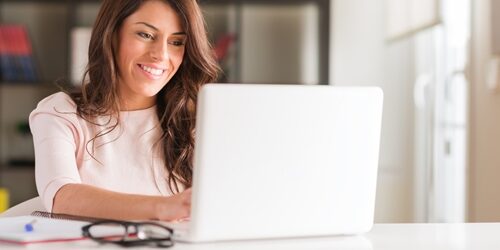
<point>382,236</point>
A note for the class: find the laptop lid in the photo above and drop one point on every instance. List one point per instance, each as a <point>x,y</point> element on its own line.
<point>284,161</point>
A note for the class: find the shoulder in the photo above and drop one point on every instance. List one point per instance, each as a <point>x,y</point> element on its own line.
<point>55,107</point>
<point>58,102</point>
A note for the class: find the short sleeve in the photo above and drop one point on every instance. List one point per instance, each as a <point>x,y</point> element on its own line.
<point>56,135</point>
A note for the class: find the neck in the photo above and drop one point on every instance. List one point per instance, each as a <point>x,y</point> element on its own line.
<point>130,104</point>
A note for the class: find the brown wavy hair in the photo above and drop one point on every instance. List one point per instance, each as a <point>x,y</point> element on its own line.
<point>176,102</point>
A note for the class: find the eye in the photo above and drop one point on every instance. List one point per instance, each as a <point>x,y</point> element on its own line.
<point>177,43</point>
<point>145,35</point>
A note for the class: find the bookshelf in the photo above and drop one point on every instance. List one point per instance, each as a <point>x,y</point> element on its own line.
<point>48,23</point>
<point>277,41</point>
<point>264,41</point>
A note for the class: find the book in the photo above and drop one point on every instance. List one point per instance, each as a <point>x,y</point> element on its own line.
<point>25,55</point>
<point>64,216</point>
<point>7,70</point>
<point>222,46</point>
<point>16,55</point>
<point>45,230</point>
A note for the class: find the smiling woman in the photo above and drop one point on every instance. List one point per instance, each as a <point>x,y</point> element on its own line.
<point>150,50</point>
<point>121,147</point>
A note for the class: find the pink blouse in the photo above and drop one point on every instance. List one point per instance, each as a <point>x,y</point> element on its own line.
<point>124,160</point>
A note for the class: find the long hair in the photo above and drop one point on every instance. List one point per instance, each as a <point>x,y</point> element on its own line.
<point>176,102</point>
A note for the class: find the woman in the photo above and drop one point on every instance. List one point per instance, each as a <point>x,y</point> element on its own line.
<point>122,147</point>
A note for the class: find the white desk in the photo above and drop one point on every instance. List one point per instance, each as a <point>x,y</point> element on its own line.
<point>480,236</point>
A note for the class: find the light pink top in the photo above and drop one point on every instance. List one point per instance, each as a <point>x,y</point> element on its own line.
<point>127,161</point>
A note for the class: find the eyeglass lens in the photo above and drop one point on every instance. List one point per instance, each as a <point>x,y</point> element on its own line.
<point>114,232</point>
<point>152,231</point>
<point>109,231</point>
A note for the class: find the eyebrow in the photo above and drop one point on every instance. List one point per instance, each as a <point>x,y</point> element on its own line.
<point>156,29</point>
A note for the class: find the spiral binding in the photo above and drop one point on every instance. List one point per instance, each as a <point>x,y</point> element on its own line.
<point>63,216</point>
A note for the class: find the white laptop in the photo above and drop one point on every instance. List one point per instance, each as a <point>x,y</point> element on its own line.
<point>274,161</point>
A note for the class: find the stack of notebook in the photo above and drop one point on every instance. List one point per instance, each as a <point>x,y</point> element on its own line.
<point>42,227</point>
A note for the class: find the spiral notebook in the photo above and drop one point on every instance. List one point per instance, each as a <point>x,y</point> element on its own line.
<point>64,216</point>
<point>46,227</point>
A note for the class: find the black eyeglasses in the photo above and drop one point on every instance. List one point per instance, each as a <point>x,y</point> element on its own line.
<point>128,234</point>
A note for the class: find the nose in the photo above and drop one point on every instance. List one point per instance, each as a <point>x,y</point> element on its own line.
<point>159,52</point>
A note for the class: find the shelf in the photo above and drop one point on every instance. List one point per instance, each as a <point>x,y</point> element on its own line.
<point>275,41</point>
<point>19,182</point>
<point>21,168</point>
<point>280,37</point>
<point>41,85</point>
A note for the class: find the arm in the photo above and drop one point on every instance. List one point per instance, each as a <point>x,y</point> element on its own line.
<point>85,200</point>
<point>59,139</point>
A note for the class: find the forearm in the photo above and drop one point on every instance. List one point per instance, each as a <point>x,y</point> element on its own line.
<point>85,200</point>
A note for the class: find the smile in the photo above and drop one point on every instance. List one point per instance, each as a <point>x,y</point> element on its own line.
<point>151,70</point>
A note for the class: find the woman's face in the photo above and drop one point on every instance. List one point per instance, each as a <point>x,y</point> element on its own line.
<point>150,49</point>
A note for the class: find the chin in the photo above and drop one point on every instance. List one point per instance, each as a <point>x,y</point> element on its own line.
<point>150,90</point>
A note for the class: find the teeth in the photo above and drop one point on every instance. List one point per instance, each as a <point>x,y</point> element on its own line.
<point>153,71</point>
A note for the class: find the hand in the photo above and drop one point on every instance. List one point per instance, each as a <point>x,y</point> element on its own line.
<point>175,207</point>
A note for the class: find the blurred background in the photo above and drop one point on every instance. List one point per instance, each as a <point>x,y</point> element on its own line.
<point>436,60</point>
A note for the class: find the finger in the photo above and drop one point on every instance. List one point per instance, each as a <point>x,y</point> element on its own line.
<point>186,199</point>
<point>175,214</point>
<point>183,212</point>
<point>184,219</point>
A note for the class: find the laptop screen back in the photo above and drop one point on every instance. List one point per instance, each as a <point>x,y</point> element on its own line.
<point>284,161</point>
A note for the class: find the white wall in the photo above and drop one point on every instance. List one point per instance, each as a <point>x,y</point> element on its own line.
<point>484,160</point>
<point>361,56</point>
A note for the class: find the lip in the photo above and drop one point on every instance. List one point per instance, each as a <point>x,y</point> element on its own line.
<point>149,75</point>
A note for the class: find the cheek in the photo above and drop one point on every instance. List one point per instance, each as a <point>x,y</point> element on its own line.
<point>128,53</point>
<point>123,66</point>
<point>177,60</point>
<point>123,58</point>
